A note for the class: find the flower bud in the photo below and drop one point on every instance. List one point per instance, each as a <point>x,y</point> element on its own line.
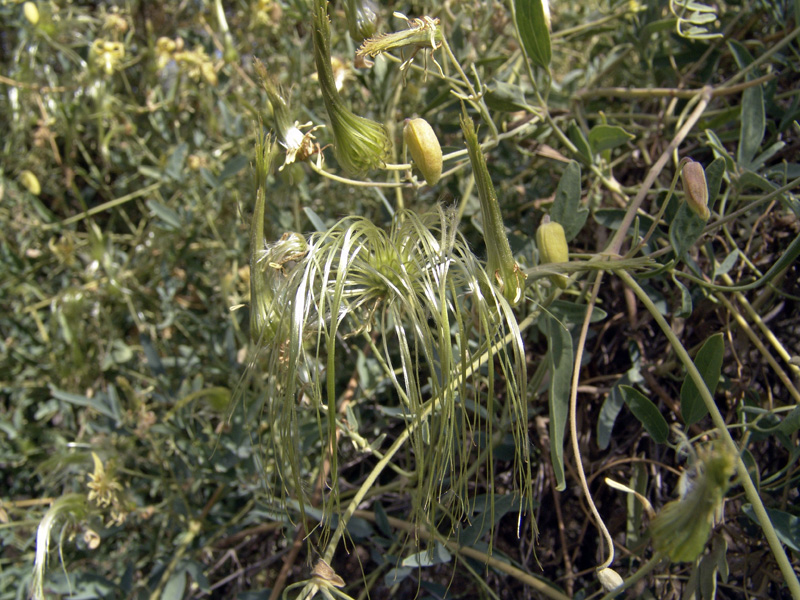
<point>500,262</point>
<point>362,19</point>
<point>424,148</point>
<point>695,188</point>
<point>30,182</point>
<point>360,144</point>
<point>609,579</point>
<point>31,12</point>
<point>552,244</point>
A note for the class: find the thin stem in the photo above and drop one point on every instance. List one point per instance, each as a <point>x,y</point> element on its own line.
<point>630,581</point>
<point>518,574</point>
<point>719,421</point>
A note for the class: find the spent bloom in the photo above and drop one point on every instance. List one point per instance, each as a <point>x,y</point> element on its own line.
<point>681,529</point>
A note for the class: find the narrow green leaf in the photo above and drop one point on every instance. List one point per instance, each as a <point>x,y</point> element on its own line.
<point>559,353</point>
<point>647,413</point>
<point>786,525</point>
<point>534,31</point>
<point>714,173</point>
<point>609,412</point>
<point>709,362</point>
<point>753,125</point>
<point>686,299</point>
<point>233,166</point>
<point>175,162</point>
<point>684,230</point>
<point>581,143</point>
<point>607,137</point>
<point>567,209</point>
<point>170,219</point>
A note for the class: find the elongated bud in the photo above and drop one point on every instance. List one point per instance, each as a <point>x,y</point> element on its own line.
<point>31,12</point>
<point>696,189</point>
<point>362,19</point>
<point>499,259</point>
<point>681,529</point>
<point>609,579</point>
<point>552,244</point>
<point>425,149</point>
<point>31,182</point>
<point>359,144</point>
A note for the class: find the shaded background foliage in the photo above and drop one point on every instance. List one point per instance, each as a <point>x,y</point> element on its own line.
<point>118,280</point>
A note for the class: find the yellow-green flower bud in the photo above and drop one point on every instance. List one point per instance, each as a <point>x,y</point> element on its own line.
<point>696,189</point>
<point>425,149</point>
<point>30,182</point>
<point>552,244</point>
<point>681,529</point>
<point>31,12</point>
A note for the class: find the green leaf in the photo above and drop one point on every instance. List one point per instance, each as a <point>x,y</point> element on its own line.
<point>505,97</point>
<point>427,558</point>
<point>753,124</point>
<point>233,166</point>
<point>714,174</point>
<point>786,525</point>
<point>559,354</point>
<point>581,143</point>
<point>572,313</point>
<point>609,412</point>
<point>533,31</point>
<point>606,137</point>
<point>686,299</point>
<point>684,230</point>
<point>709,362</point>
<point>567,209</point>
<point>171,221</point>
<point>175,162</point>
<point>647,413</point>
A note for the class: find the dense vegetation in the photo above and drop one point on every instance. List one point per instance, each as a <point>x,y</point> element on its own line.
<point>433,300</point>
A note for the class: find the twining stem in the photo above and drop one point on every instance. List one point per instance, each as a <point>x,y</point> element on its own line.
<point>719,421</point>
<point>613,248</point>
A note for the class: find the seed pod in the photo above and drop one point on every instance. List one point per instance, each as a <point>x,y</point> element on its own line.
<point>31,12</point>
<point>424,148</point>
<point>552,244</point>
<point>31,182</point>
<point>695,188</point>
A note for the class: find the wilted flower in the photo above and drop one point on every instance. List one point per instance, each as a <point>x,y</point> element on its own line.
<point>500,261</point>
<point>359,144</point>
<point>299,146</point>
<point>681,529</point>
<point>423,33</point>
<point>425,148</point>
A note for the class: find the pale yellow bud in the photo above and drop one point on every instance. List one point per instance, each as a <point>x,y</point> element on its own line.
<point>31,182</point>
<point>424,147</point>
<point>609,579</point>
<point>696,189</point>
<point>552,244</point>
<point>31,12</point>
